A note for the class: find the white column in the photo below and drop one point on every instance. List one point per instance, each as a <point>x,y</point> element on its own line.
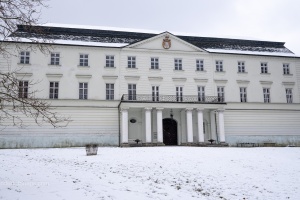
<point>159,125</point>
<point>200,126</point>
<point>124,112</point>
<point>221,125</point>
<point>148,124</point>
<point>189,124</point>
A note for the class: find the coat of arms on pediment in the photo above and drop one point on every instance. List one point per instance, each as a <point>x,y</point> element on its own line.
<point>166,42</point>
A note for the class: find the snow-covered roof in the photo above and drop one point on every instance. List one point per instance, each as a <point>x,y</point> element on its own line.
<point>120,37</point>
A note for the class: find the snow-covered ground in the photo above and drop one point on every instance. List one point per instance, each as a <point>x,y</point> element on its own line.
<point>151,173</point>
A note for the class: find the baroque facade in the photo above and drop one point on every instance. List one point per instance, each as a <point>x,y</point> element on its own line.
<point>118,86</point>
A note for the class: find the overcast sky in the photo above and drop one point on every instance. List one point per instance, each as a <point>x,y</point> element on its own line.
<point>272,20</point>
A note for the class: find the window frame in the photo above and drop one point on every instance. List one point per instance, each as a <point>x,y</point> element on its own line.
<point>154,62</point>
<point>110,91</point>
<point>109,61</point>
<point>289,95</point>
<point>286,69</point>
<point>53,90</point>
<point>132,91</point>
<point>131,62</point>
<point>243,94</point>
<point>241,67</point>
<point>25,57</point>
<point>23,88</point>
<point>83,86</point>
<point>179,93</point>
<point>155,93</point>
<point>83,60</point>
<point>221,93</point>
<point>201,93</point>
<point>266,95</point>
<point>178,64</point>
<point>264,68</point>
<point>200,65</point>
<point>54,58</point>
<point>219,66</point>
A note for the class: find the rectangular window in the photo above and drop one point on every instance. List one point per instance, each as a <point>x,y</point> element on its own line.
<point>110,91</point>
<point>131,62</point>
<point>264,68</point>
<point>155,93</point>
<point>53,92</point>
<point>84,60</point>
<point>221,94</point>
<point>178,64</point>
<point>243,94</point>
<point>179,93</point>
<point>83,90</point>
<point>286,69</point>
<point>24,57</point>
<point>219,65</point>
<point>201,93</point>
<point>23,89</point>
<point>110,61</point>
<point>266,92</point>
<point>131,91</point>
<point>241,67</point>
<point>199,65</point>
<point>289,95</point>
<point>154,63</point>
<point>55,58</point>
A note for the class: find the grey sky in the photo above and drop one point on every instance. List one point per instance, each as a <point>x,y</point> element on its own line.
<point>272,20</point>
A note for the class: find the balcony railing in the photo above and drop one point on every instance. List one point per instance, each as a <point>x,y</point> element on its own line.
<point>171,98</point>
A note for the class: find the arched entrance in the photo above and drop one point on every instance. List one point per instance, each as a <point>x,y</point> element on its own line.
<point>170,131</point>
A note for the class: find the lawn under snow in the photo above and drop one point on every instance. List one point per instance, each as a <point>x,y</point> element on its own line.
<point>151,173</point>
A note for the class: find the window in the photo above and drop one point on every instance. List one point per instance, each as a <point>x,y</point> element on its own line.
<point>23,89</point>
<point>266,92</point>
<point>199,65</point>
<point>131,62</point>
<point>243,94</point>
<point>83,90</point>
<point>55,58</point>
<point>53,93</point>
<point>154,63</point>
<point>24,57</point>
<point>155,93</point>
<point>131,91</point>
<point>201,93</point>
<point>84,60</point>
<point>221,95</point>
<point>264,68</point>
<point>241,67</point>
<point>219,65</point>
<point>110,61</point>
<point>286,69</point>
<point>289,95</point>
<point>178,64</point>
<point>110,91</point>
<point>179,96</point>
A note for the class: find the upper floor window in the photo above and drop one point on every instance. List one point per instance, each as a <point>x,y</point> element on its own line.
<point>264,67</point>
<point>84,60</point>
<point>131,62</point>
<point>243,94</point>
<point>55,59</point>
<point>24,57</point>
<point>83,90</point>
<point>241,67</point>
<point>179,93</point>
<point>286,69</point>
<point>53,92</point>
<point>201,93</point>
<point>266,92</point>
<point>219,65</point>
<point>154,63</point>
<point>110,61</point>
<point>199,65</point>
<point>221,94</point>
<point>289,95</point>
<point>110,91</point>
<point>178,64</point>
<point>131,91</point>
<point>155,93</point>
<point>23,89</point>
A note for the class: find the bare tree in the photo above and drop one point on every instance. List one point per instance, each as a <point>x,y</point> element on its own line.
<point>16,102</point>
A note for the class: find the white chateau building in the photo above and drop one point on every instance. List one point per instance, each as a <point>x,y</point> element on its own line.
<point>161,88</point>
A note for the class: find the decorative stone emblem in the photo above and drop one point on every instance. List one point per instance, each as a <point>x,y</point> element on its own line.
<point>166,43</point>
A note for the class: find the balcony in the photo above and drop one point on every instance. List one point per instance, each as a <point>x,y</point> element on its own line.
<point>172,99</point>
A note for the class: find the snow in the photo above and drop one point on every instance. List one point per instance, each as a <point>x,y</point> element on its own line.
<point>67,42</point>
<point>267,53</point>
<point>150,173</point>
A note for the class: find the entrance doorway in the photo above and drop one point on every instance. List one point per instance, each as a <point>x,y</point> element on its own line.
<point>170,131</point>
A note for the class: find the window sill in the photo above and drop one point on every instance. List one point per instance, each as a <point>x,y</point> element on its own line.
<point>220,72</point>
<point>242,72</point>
<point>105,67</point>
<point>24,64</point>
<point>288,75</point>
<point>83,67</point>
<point>54,65</point>
<point>178,70</point>
<point>200,71</point>
<point>154,69</point>
<point>266,74</point>
<point>132,68</point>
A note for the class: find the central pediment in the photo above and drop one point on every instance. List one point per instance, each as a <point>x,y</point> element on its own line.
<point>165,41</point>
